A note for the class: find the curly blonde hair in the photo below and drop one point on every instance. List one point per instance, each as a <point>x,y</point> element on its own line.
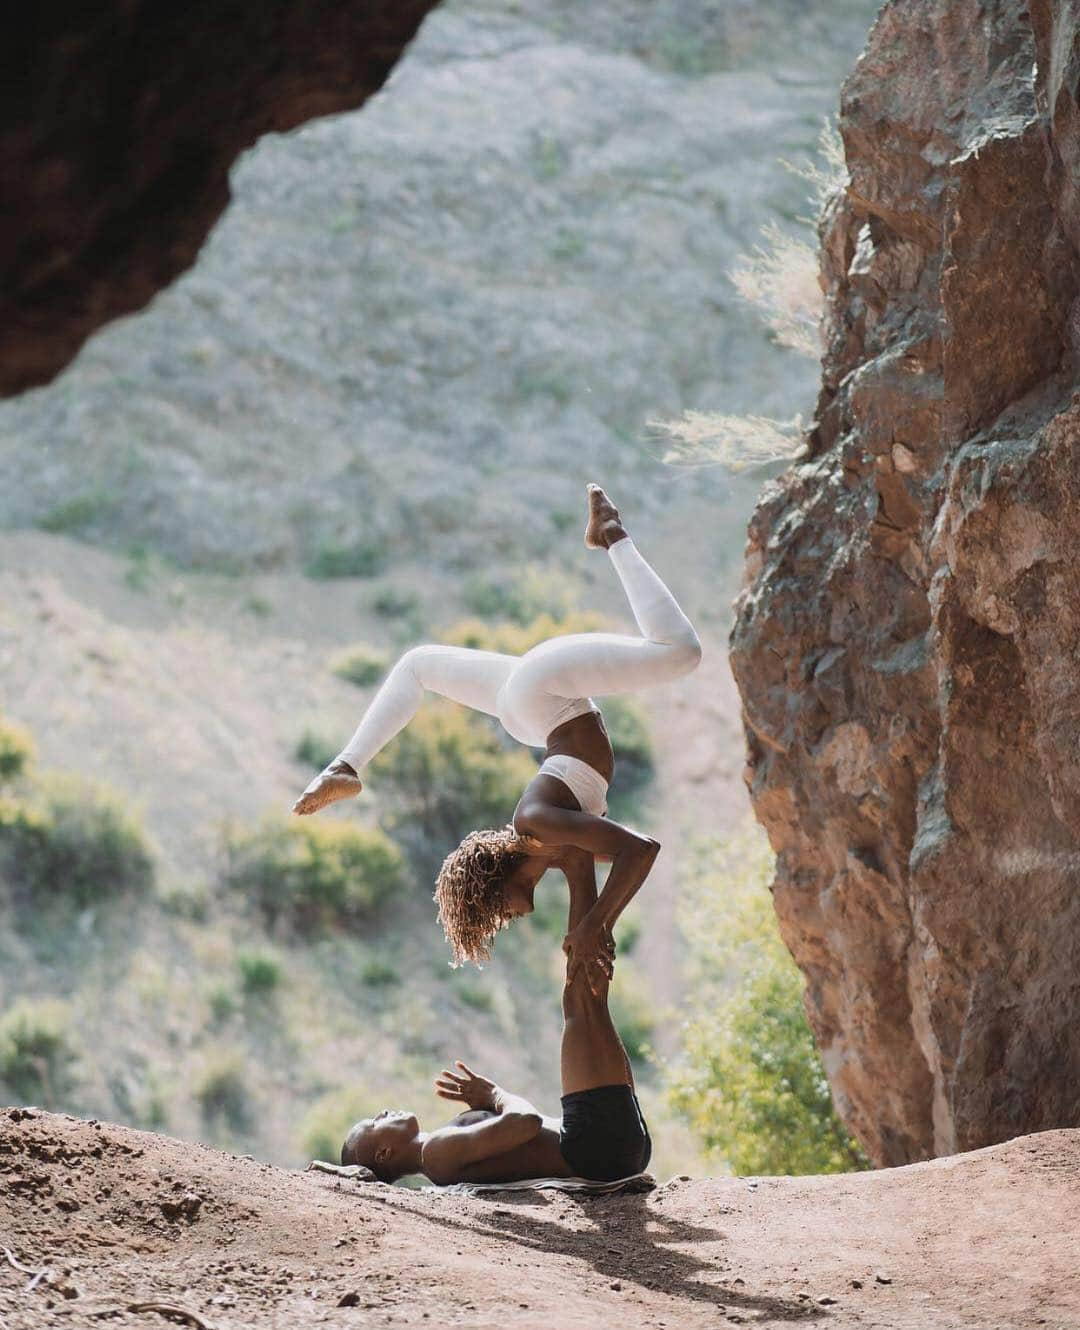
<point>469,891</point>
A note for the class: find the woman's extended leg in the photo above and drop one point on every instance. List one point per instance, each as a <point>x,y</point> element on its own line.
<point>595,664</point>
<point>463,674</point>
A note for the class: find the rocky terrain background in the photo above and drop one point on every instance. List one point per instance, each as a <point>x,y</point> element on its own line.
<point>905,643</point>
<point>421,328</point>
<point>416,333</point>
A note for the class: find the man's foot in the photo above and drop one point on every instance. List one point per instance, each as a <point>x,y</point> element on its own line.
<point>337,781</point>
<point>604,526</point>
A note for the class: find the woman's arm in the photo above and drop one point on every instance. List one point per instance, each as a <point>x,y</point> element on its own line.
<point>579,869</point>
<point>632,857</point>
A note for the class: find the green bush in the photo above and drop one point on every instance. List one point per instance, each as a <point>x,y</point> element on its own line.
<point>16,751</point>
<point>37,1054</point>
<point>474,994</point>
<point>363,558</point>
<point>448,774</point>
<point>359,664</point>
<point>221,1091</point>
<point>314,875</point>
<point>391,603</point>
<point>314,750</point>
<point>222,1003</point>
<point>521,595</point>
<point>78,513</point>
<point>76,844</point>
<point>628,930</point>
<point>635,761</point>
<point>260,972</point>
<point>551,903</point>
<point>186,900</point>
<point>379,973</point>
<point>515,638</point>
<point>752,1085</point>
<point>327,1123</point>
<point>632,1010</point>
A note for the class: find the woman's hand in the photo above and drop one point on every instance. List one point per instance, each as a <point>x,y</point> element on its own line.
<point>465,1087</point>
<point>592,947</point>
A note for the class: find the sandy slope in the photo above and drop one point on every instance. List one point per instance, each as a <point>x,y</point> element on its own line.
<point>123,1218</point>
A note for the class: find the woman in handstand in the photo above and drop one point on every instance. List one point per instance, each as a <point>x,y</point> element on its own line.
<point>543,699</point>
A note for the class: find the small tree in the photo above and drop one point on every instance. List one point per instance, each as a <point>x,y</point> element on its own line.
<point>314,876</point>
<point>446,775</point>
<point>751,1083</point>
<point>74,843</point>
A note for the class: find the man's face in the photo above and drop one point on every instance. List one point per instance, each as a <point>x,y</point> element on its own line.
<point>387,1129</point>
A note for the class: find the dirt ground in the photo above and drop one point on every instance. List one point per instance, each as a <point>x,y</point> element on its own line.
<point>134,1229</point>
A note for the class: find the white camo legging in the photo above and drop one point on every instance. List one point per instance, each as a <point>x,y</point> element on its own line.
<point>533,693</point>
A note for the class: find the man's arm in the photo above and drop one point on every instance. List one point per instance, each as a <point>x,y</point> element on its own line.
<point>517,1122</point>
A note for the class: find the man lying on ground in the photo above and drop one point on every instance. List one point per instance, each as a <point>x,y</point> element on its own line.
<point>501,1137</point>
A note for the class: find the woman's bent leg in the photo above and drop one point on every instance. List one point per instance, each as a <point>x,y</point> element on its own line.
<point>599,664</point>
<point>463,674</point>
<point>657,612</point>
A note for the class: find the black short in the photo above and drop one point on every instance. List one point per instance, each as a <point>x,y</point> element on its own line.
<point>604,1136</point>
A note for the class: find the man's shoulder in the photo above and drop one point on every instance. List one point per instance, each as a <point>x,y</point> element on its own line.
<point>440,1153</point>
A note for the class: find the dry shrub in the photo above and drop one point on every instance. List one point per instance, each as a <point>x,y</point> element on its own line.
<point>826,175</point>
<point>780,279</point>
<point>706,438</point>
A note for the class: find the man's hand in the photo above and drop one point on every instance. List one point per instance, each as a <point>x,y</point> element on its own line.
<point>590,947</point>
<point>465,1087</point>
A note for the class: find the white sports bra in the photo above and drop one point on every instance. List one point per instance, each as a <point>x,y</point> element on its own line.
<point>585,783</point>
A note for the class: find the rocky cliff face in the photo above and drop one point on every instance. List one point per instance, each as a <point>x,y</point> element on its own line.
<point>905,641</point>
<point>120,123</point>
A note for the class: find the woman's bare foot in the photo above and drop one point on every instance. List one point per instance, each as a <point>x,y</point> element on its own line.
<point>337,781</point>
<point>604,526</point>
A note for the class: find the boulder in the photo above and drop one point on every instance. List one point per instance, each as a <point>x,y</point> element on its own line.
<point>905,637</point>
<point>119,124</point>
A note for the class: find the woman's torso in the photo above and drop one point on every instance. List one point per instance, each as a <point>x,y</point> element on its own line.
<point>586,738</point>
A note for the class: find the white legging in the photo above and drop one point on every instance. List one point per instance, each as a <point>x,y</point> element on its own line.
<point>533,693</point>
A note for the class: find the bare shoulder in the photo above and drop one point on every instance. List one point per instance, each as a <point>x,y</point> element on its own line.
<point>438,1155</point>
<point>445,1150</point>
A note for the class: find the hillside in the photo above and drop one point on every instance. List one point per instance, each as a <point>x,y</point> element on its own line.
<point>420,328</point>
<point>372,405</point>
<point>125,1221</point>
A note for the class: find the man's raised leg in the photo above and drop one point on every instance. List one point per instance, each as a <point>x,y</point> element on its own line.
<point>592,1052</point>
